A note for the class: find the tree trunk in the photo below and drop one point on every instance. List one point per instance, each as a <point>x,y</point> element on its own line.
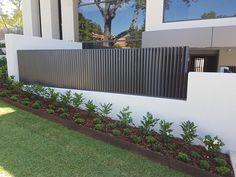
<point>107,31</point>
<point>134,18</point>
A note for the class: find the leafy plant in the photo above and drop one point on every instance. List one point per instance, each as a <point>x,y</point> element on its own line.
<point>105,109</point>
<point>79,120</point>
<point>10,83</point>
<point>64,115</point>
<point>183,157</point>
<point>61,110</point>
<point>25,101</point>
<point>195,155</point>
<point>165,131</point>
<point>150,139</point>
<point>17,86</point>
<point>38,90</point>
<point>220,162</point>
<point>77,115</point>
<point>125,117</point>
<point>52,95</point>
<point>3,93</point>
<point>222,170</point>
<point>50,111</point>
<point>157,147</point>
<point>3,73</point>
<point>66,99</point>
<point>148,123</point>
<point>111,125</point>
<point>97,121</point>
<point>78,100</point>
<point>204,164</point>
<point>126,131</point>
<point>99,127</point>
<point>116,132</point>
<point>14,98</point>
<point>189,132</point>
<point>213,145</point>
<point>135,139</point>
<point>36,105</point>
<point>90,107</point>
<point>170,146</point>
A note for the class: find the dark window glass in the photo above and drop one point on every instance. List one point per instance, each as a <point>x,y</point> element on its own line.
<point>112,23</point>
<point>179,10</point>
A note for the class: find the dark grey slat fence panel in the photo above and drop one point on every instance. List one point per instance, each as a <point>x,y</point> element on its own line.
<point>156,72</point>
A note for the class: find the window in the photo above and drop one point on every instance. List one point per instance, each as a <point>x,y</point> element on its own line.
<point>180,10</point>
<point>112,23</point>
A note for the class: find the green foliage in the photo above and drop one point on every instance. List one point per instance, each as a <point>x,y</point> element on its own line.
<point>10,83</point>
<point>148,123</point>
<point>17,86</point>
<point>77,115</point>
<point>61,110</point>
<point>222,170</point>
<point>135,139</point>
<point>64,115</point>
<point>25,101</point>
<point>183,157</point>
<point>79,120</point>
<point>3,73</point>
<point>99,127</point>
<point>66,99</point>
<point>105,109</point>
<point>204,164</point>
<point>220,162</point>
<point>14,98</point>
<point>189,132</point>
<point>52,95</point>
<point>90,107</point>
<point>165,131</point>
<point>36,105</point>
<point>50,111</point>
<point>170,146</point>
<point>38,90</point>
<point>97,121</point>
<point>125,117</point>
<point>195,155</point>
<point>126,131</point>
<point>150,139</point>
<point>78,100</point>
<point>3,93</point>
<point>116,132</point>
<point>156,147</point>
<point>213,145</point>
<point>111,125</point>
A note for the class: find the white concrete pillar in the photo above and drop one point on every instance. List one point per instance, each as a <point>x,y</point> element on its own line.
<point>50,19</point>
<point>70,20</point>
<point>31,18</point>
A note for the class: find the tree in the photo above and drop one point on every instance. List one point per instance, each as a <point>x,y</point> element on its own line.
<point>139,5</point>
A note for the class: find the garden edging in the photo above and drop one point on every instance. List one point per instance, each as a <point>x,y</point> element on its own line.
<point>154,156</point>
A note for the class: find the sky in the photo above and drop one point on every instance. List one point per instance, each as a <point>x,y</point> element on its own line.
<point>6,7</point>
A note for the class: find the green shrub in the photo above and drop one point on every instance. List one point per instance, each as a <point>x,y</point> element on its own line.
<point>97,121</point>
<point>148,123</point>
<point>77,115</point>
<point>150,139</point>
<point>36,105</point>
<point>50,111</point>
<point>64,115</point>
<point>204,164</point>
<point>61,110</point>
<point>126,131</point>
<point>90,107</point>
<point>99,127</point>
<point>3,93</point>
<point>3,73</point>
<point>25,102</point>
<point>66,99</point>
<point>170,146</point>
<point>222,170</point>
<point>125,117</point>
<point>183,157</point>
<point>135,139</point>
<point>14,98</point>
<point>213,145</point>
<point>165,131</point>
<point>78,99</point>
<point>220,162</point>
<point>189,132</point>
<point>17,86</point>
<point>111,125</point>
<point>195,155</point>
<point>79,120</point>
<point>116,132</point>
<point>105,109</point>
<point>156,147</point>
<point>52,95</point>
<point>38,90</point>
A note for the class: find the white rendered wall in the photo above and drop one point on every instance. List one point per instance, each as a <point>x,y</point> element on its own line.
<point>154,19</point>
<point>31,17</point>
<point>70,20</point>
<point>50,19</point>
<point>210,104</point>
<point>19,42</point>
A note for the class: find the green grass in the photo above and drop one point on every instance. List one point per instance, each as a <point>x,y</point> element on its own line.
<point>34,147</point>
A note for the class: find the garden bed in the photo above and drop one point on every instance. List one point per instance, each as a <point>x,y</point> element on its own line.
<point>134,139</point>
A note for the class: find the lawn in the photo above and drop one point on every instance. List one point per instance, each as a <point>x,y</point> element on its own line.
<point>34,147</point>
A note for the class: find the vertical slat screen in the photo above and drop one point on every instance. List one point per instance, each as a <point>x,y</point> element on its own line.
<point>156,72</point>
